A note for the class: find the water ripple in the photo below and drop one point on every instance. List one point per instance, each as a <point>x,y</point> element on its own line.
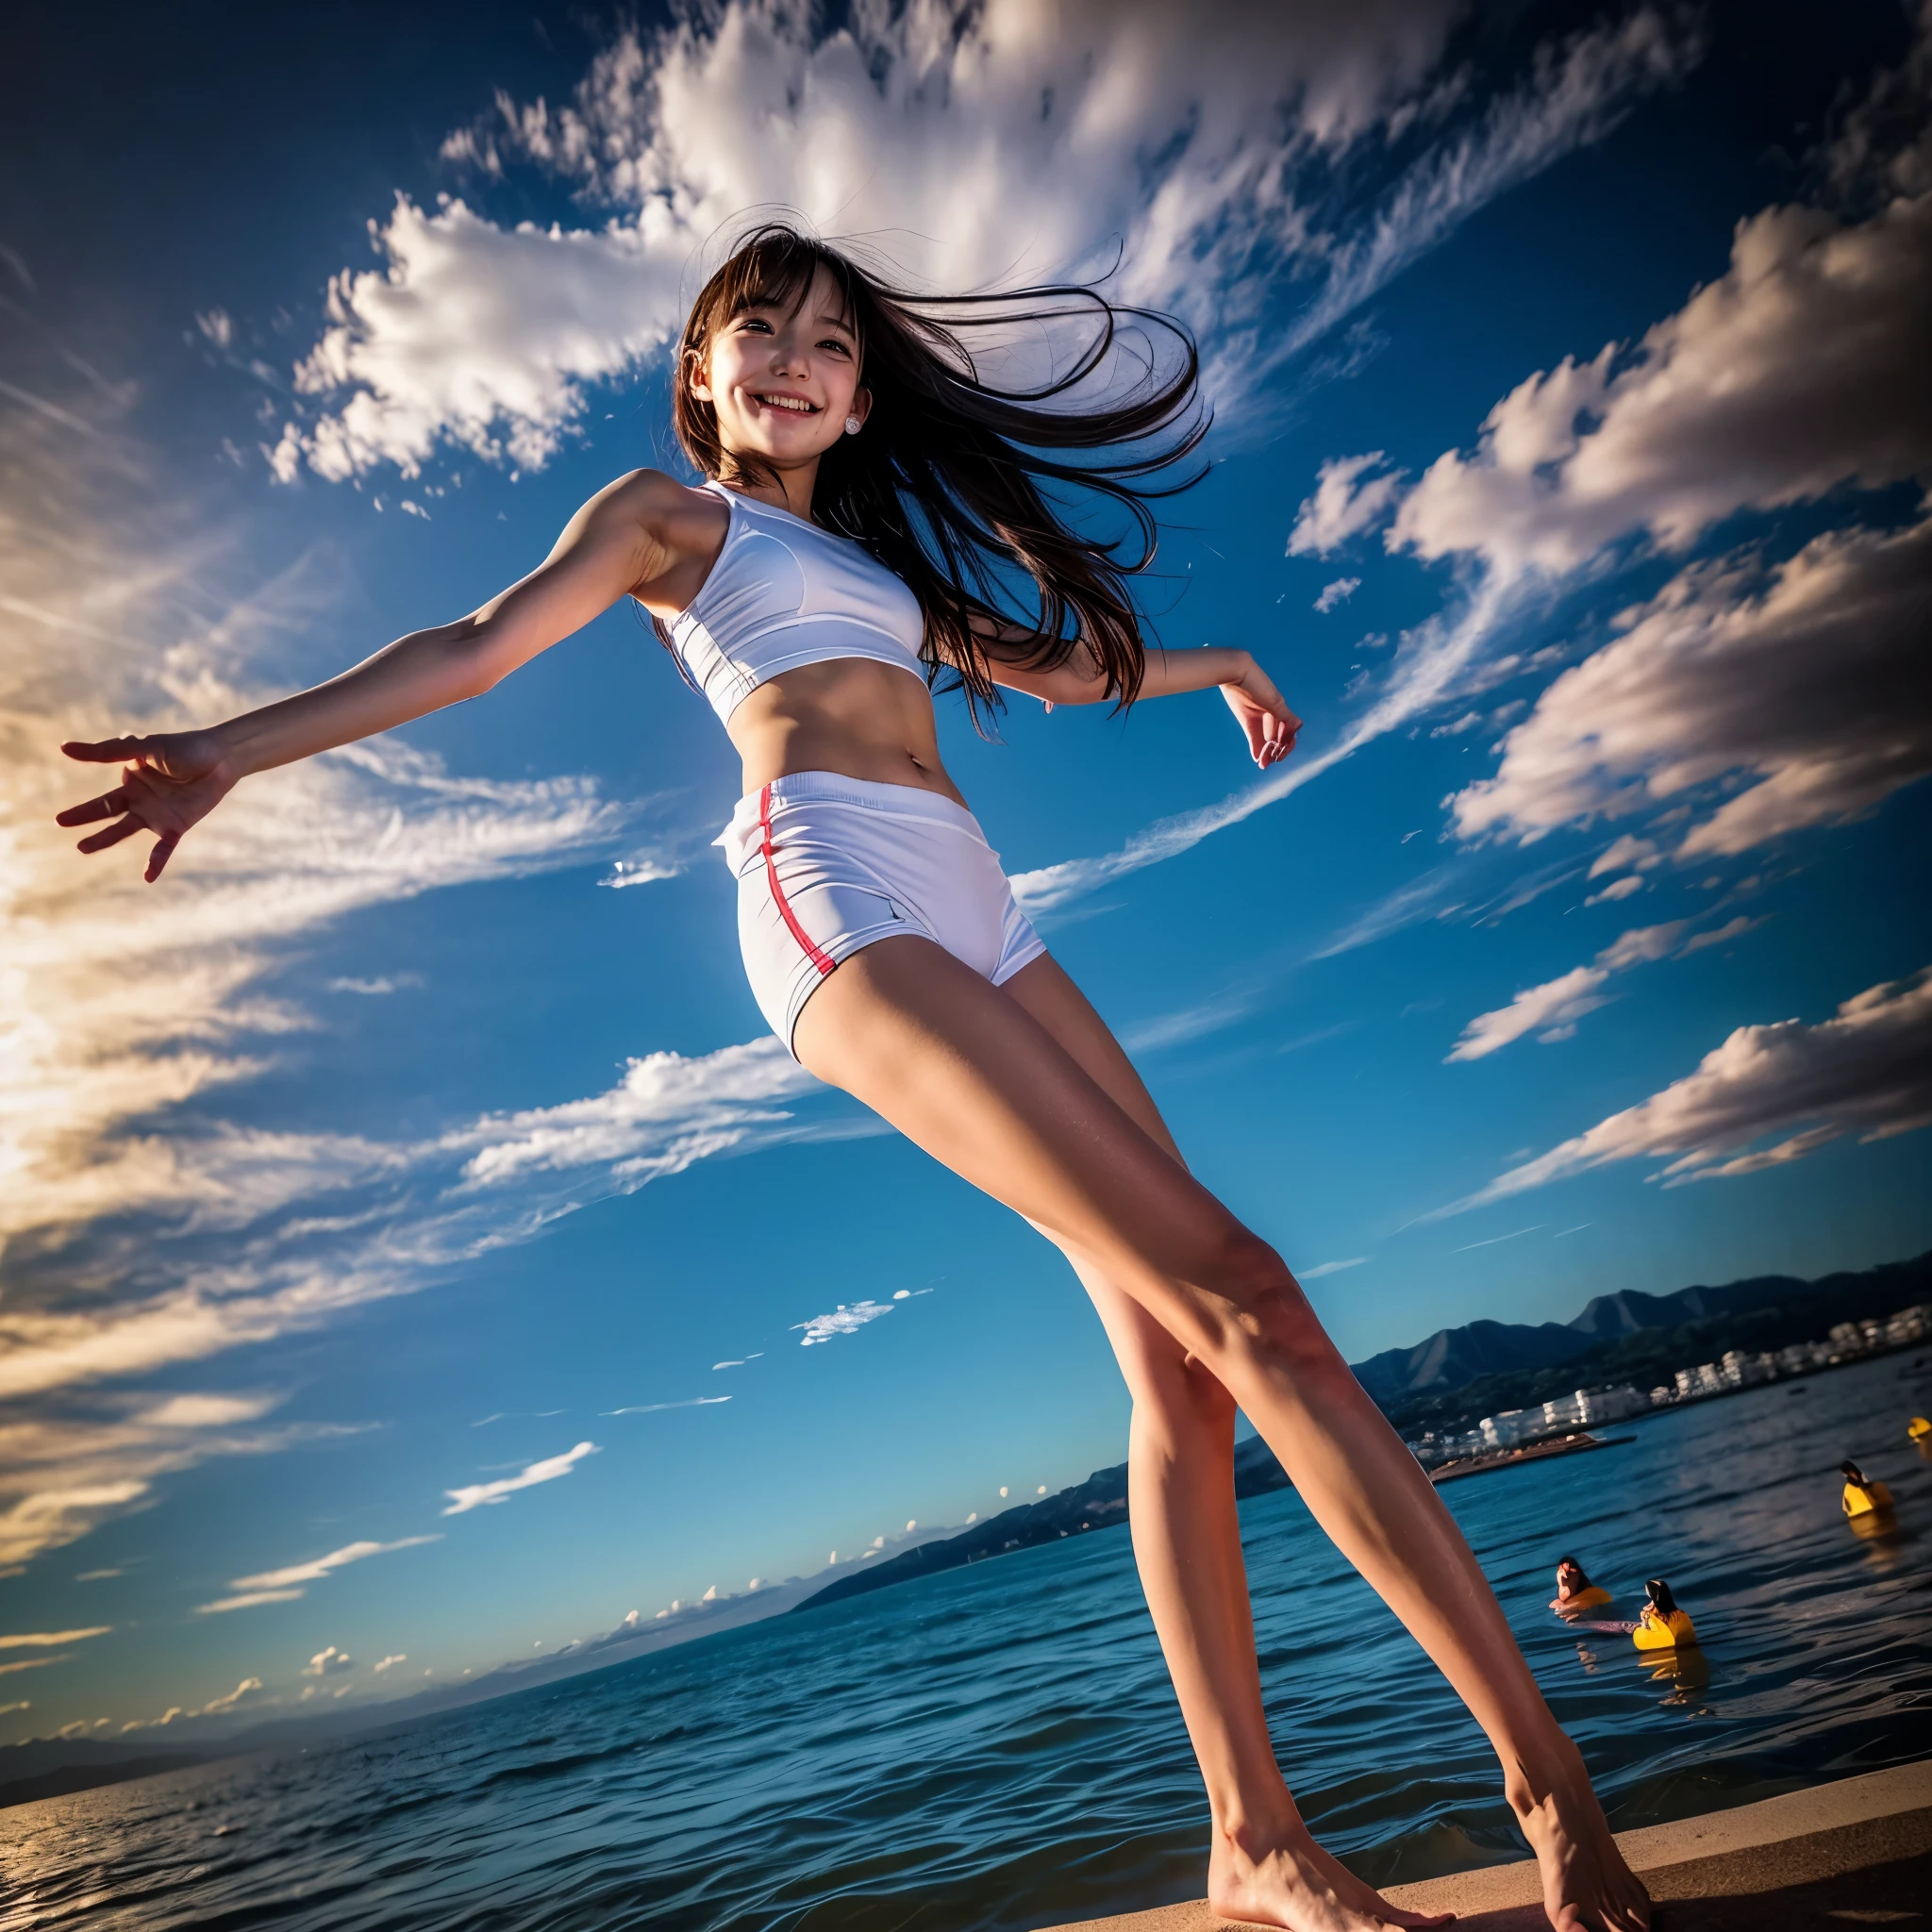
<point>999,1747</point>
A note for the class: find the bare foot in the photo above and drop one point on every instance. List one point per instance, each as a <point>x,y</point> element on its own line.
<point>1291,1883</point>
<point>1586,1885</point>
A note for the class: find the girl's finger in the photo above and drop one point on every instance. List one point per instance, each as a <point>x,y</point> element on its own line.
<point>106,807</point>
<point>112,835</point>
<point>163,851</point>
<point>106,751</point>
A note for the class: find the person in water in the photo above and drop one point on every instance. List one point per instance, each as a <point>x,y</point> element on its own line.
<point>1862,1495</point>
<point>1574,1590</point>
<point>869,504</point>
<point>1662,1625</point>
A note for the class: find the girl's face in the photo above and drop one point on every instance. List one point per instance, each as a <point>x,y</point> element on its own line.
<point>783,384</point>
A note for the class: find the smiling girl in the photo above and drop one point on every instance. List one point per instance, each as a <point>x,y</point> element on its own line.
<point>870,505</point>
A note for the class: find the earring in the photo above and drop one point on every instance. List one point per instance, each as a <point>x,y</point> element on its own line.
<point>852,425</point>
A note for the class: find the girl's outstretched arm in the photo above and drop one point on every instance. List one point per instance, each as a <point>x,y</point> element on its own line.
<point>1251,696</point>
<point>172,780</point>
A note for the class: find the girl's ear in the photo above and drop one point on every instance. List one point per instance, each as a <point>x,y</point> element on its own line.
<point>697,376</point>
<point>861,403</point>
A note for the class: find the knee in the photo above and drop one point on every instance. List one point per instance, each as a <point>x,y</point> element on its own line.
<point>1263,1312</point>
<point>1182,1397</point>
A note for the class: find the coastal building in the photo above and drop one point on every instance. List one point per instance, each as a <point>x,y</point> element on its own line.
<point>1847,1337</point>
<point>1907,1327</point>
<point>1660,1395</point>
<point>1565,1411</point>
<point>1609,1405</point>
<point>1511,1428</point>
<point>1705,1379</point>
<point>1746,1371</point>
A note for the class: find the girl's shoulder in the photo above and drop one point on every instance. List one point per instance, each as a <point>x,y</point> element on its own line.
<point>655,497</point>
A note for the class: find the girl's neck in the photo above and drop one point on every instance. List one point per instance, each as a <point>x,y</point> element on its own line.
<point>786,490</point>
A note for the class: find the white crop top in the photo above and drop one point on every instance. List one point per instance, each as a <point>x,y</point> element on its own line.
<point>785,593</point>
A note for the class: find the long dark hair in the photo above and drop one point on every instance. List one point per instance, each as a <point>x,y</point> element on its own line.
<point>943,484</point>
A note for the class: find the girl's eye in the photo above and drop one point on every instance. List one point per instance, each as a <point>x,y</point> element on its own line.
<point>833,342</point>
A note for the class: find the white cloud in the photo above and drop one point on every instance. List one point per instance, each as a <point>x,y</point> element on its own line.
<point>314,1571</point>
<point>1627,852</point>
<point>478,1495</point>
<point>247,1687</point>
<point>1617,889</point>
<point>1807,678</point>
<point>1794,372</point>
<point>1732,929</point>
<point>1337,593</point>
<point>388,1663</point>
<point>328,1662</point>
<point>1558,1004</point>
<point>1866,1071</point>
<point>205,1411</point>
<point>666,1112</point>
<point>1343,505</point>
<point>48,1639</point>
<point>248,1600</point>
<point>847,1319</point>
<point>1322,1268</point>
<point>1206,140</point>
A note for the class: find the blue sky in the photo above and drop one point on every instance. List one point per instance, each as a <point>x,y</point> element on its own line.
<point>419,1131</point>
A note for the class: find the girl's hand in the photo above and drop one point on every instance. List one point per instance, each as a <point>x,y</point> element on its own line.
<point>175,779</point>
<point>1263,713</point>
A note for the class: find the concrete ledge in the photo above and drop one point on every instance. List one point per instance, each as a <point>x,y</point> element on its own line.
<point>1859,1850</point>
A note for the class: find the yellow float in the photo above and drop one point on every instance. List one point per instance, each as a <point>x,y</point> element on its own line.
<point>1863,1495</point>
<point>1919,1429</point>
<point>1663,1625</point>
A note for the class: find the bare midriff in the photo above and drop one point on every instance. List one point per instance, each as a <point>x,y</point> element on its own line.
<point>850,715</point>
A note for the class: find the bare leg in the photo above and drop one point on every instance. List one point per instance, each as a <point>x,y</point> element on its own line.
<point>968,1075</point>
<point>1264,1865</point>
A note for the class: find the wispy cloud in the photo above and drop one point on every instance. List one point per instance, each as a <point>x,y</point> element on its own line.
<point>1316,1272</point>
<point>478,1495</point>
<point>48,1639</point>
<point>285,1585</point>
<point>1514,1234</point>
<point>656,1407</point>
<point>1189,1023</point>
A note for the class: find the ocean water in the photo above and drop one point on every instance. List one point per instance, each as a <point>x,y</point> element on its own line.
<point>999,1748</point>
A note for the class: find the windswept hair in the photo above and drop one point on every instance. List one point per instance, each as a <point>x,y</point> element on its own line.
<point>943,485</point>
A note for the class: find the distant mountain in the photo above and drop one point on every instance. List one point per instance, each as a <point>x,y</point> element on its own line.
<point>1099,1503</point>
<point>1616,1335</point>
<point>1452,1356</point>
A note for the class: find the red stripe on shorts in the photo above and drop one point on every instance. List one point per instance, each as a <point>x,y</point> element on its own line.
<point>811,952</point>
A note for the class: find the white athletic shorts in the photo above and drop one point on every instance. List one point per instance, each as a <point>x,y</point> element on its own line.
<point>826,865</point>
